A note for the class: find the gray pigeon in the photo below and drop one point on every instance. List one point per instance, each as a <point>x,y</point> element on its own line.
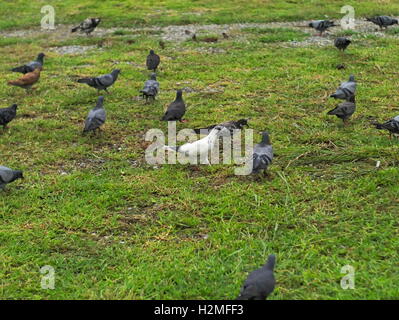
<point>383,21</point>
<point>153,61</point>
<point>391,125</point>
<point>346,91</point>
<point>342,43</point>
<point>262,154</point>
<point>176,109</point>
<point>228,128</point>
<point>151,88</point>
<point>29,67</point>
<point>7,115</point>
<point>343,111</point>
<point>96,117</point>
<point>88,25</point>
<point>260,283</point>
<point>102,82</point>
<point>8,175</point>
<point>321,25</point>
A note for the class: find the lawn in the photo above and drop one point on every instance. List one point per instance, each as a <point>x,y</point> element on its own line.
<point>114,227</point>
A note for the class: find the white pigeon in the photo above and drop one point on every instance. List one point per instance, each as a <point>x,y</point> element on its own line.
<point>200,147</point>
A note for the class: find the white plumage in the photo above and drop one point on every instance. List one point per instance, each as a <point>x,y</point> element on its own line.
<point>200,147</point>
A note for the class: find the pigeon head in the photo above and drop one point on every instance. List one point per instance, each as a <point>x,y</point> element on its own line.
<point>152,52</point>
<point>179,94</point>
<point>14,106</point>
<point>271,261</point>
<point>153,76</point>
<point>395,21</point>
<point>218,129</point>
<point>265,138</point>
<point>18,174</point>
<point>40,56</point>
<point>352,78</point>
<point>242,122</point>
<point>115,73</point>
<point>100,102</point>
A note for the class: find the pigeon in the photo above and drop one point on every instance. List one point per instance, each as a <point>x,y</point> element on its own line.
<point>176,109</point>
<point>200,147</point>
<point>153,61</point>
<point>27,80</point>
<point>102,82</point>
<point>8,175</point>
<point>29,67</point>
<point>346,91</point>
<point>342,43</point>
<point>260,283</point>
<point>343,111</point>
<point>7,115</point>
<point>225,35</point>
<point>151,88</point>
<point>322,25</point>
<point>391,125</point>
<point>262,155</point>
<point>383,21</point>
<point>96,117</point>
<point>229,127</point>
<point>88,25</point>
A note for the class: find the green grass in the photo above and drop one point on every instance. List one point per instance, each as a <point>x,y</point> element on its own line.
<point>22,13</point>
<point>114,227</point>
<point>269,35</point>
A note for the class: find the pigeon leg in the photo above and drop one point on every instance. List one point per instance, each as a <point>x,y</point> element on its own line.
<point>106,90</point>
<point>183,120</point>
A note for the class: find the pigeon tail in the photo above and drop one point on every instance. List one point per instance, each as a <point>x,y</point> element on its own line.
<point>89,81</point>
<point>22,69</point>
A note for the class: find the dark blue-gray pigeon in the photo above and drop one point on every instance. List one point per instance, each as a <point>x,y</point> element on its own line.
<point>343,111</point>
<point>8,175</point>
<point>7,115</point>
<point>176,109</point>
<point>29,67</point>
<point>383,21</point>
<point>342,43</point>
<point>153,61</point>
<point>262,155</point>
<point>151,88</point>
<point>102,82</point>
<point>96,117</point>
<point>87,26</point>
<point>346,91</point>
<point>321,25</point>
<point>391,125</point>
<point>228,127</point>
<point>260,283</point>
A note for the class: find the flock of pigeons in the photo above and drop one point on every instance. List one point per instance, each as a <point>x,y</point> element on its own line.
<point>261,282</point>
